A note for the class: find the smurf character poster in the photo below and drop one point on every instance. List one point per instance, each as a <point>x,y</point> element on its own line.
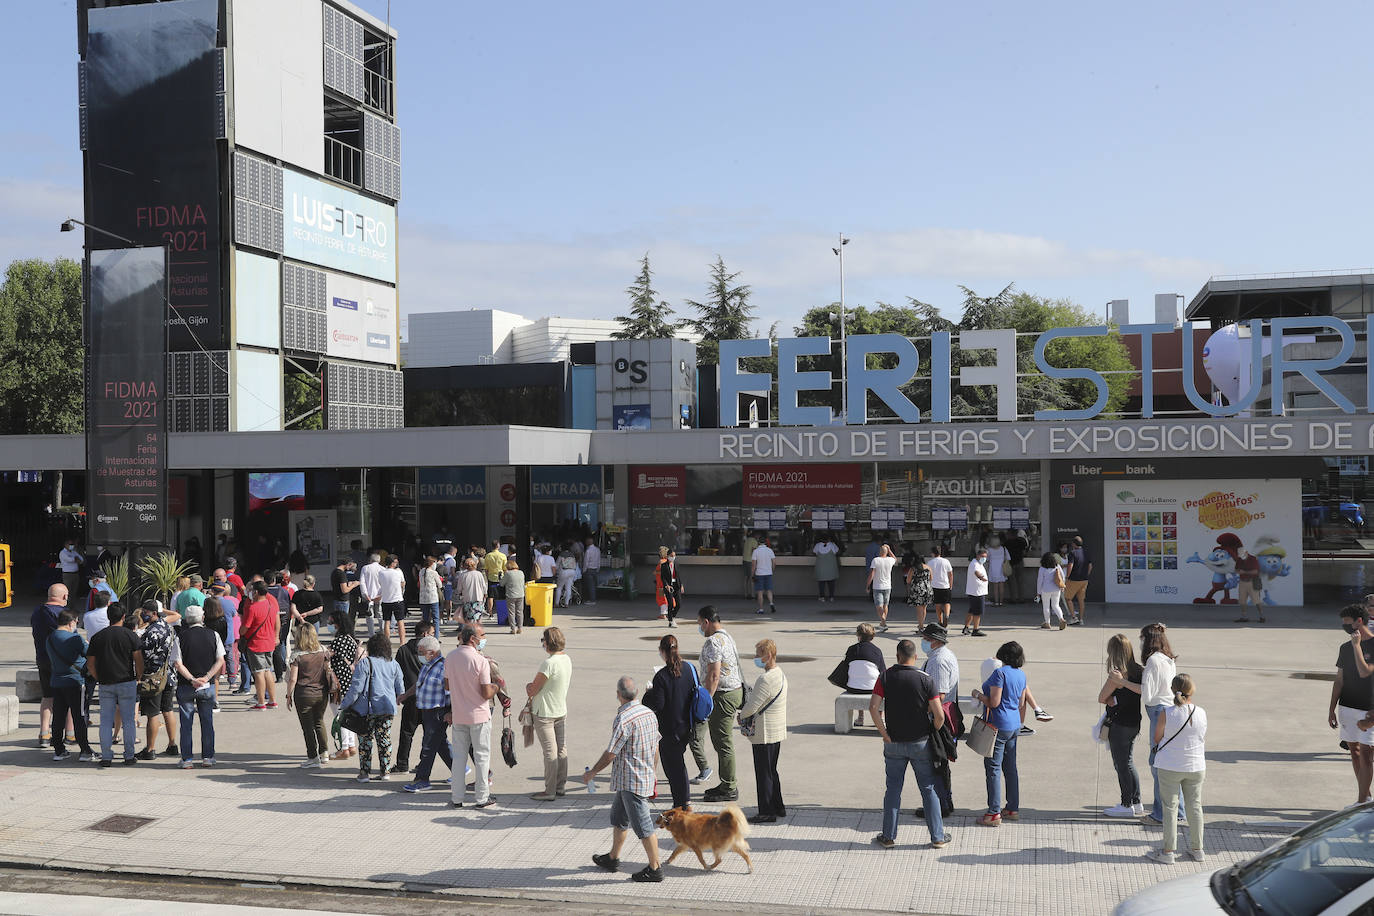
<point>1194,541</point>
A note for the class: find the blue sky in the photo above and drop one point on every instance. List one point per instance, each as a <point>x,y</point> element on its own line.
<point>1079,150</point>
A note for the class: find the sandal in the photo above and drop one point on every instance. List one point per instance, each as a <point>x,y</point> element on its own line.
<point>1009,815</point>
<point>990,820</point>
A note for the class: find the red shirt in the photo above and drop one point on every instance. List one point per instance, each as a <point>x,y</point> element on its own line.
<point>237,581</point>
<point>258,625</point>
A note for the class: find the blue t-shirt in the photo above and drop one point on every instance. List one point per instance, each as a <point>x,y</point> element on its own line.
<point>1007,715</point>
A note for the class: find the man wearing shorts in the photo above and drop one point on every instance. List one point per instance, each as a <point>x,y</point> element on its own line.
<point>258,633</point>
<point>1352,696</point>
<point>43,622</point>
<point>977,590</point>
<point>761,571</point>
<point>392,593</point>
<point>1080,567</point>
<point>633,753</point>
<point>494,565</point>
<point>941,584</point>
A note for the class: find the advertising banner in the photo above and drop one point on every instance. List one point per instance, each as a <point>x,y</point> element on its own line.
<point>790,484</point>
<point>655,485</point>
<point>361,319</point>
<point>313,533</point>
<point>332,227</point>
<point>151,72</point>
<point>126,406</point>
<point>631,416</point>
<point>452,485</point>
<point>575,484</point>
<point>1190,541</point>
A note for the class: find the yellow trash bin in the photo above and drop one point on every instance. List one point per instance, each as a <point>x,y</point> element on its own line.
<point>539,601</point>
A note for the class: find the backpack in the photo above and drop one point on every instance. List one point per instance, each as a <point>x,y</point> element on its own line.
<point>702,701</point>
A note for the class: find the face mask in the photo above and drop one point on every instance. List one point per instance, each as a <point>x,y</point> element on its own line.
<point>1348,627</point>
<point>758,663</point>
<point>481,644</point>
<point>925,647</point>
<point>701,629</point>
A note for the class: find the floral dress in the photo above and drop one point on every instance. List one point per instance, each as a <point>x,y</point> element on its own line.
<point>918,590</point>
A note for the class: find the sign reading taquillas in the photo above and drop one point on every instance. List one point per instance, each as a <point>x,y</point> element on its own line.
<point>1204,542</point>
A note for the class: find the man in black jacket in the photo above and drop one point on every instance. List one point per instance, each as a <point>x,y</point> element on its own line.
<point>199,659</point>
<point>408,657</point>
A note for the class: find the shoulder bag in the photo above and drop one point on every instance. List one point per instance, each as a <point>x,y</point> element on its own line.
<point>702,701</point>
<point>981,737</point>
<point>350,718</point>
<point>508,743</point>
<point>1159,747</point>
<point>749,724</point>
<point>840,676</point>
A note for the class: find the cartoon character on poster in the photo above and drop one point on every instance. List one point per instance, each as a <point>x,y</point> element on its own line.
<point>1221,560</point>
<point>1271,555</point>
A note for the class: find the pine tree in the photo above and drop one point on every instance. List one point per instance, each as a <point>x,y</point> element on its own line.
<point>649,317</point>
<point>725,315</point>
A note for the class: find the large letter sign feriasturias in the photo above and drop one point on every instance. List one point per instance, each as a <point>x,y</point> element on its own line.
<point>886,384</point>
<point>126,419</point>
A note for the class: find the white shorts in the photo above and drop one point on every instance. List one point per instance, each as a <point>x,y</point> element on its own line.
<point>1351,732</point>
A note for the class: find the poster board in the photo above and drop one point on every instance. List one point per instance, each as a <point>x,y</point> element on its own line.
<point>314,532</point>
<point>1178,541</point>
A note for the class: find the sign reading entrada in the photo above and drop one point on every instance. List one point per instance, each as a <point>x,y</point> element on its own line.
<point>886,384</point>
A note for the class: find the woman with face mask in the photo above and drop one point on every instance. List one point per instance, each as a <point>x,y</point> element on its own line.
<point>767,708</point>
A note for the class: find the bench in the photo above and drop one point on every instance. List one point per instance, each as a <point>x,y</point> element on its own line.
<point>846,705</point>
<point>9,714</point>
<point>27,686</point>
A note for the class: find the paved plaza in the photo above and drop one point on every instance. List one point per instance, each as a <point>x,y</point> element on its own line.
<point>1273,764</point>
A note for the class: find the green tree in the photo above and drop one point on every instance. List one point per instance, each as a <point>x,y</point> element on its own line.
<point>1036,391</point>
<point>301,393</point>
<point>41,353</point>
<point>650,317</point>
<point>725,315</point>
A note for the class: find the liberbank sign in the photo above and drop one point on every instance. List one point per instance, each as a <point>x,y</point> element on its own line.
<point>1222,358</point>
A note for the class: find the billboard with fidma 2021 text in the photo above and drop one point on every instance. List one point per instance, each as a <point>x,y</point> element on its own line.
<point>1191,541</point>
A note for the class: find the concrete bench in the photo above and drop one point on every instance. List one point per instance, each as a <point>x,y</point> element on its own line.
<point>9,714</point>
<point>27,686</point>
<point>846,705</point>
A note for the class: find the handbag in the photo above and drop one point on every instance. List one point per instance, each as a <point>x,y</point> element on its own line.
<point>702,702</point>
<point>152,683</point>
<point>749,724</point>
<point>1006,568</point>
<point>508,744</point>
<point>981,737</point>
<point>527,725</point>
<point>350,718</point>
<point>840,676</point>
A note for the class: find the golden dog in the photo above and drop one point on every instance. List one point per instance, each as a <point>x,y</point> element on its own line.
<point>724,832</point>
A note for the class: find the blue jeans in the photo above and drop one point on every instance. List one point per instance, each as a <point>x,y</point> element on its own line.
<point>896,757</point>
<point>190,706</point>
<point>430,613</point>
<point>1003,761</point>
<point>1157,810</point>
<point>123,697</point>
<point>435,742</point>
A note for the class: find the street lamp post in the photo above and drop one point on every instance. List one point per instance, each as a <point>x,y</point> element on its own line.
<point>844,357</point>
<point>70,224</point>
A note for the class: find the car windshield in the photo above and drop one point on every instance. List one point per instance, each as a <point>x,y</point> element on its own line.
<point>1312,869</point>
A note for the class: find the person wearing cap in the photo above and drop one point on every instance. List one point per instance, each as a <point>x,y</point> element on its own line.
<point>198,657</point>
<point>159,645</point>
<point>943,669</point>
<point>232,576</point>
<point>193,594</point>
<point>98,584</point>
<point>977,591</point>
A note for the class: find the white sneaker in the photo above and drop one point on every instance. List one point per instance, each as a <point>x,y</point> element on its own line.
<point>1137,810</point>
<point>308,762</point>
<point>1120,811</point>
<point>185,765</point>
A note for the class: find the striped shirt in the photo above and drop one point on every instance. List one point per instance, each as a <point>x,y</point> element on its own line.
<point>634,738</point>
<point>429,685</point>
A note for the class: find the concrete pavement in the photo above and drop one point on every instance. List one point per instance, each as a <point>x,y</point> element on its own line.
<point>1272,765</point>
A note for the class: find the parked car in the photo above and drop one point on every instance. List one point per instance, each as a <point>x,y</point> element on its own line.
<point>1325,869</point>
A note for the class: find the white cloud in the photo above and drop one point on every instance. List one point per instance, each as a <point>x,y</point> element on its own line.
<point>789,271</point>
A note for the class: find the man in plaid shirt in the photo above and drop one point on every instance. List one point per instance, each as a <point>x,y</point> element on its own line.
<point>634,749</point>
<point>433,701</point>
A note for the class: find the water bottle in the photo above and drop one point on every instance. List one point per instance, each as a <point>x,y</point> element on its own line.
<point>591,781</point>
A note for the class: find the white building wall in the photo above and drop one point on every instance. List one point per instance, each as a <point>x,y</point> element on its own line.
<point>548,339</point>
<point>460,338</point>
<point>278,65</point>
